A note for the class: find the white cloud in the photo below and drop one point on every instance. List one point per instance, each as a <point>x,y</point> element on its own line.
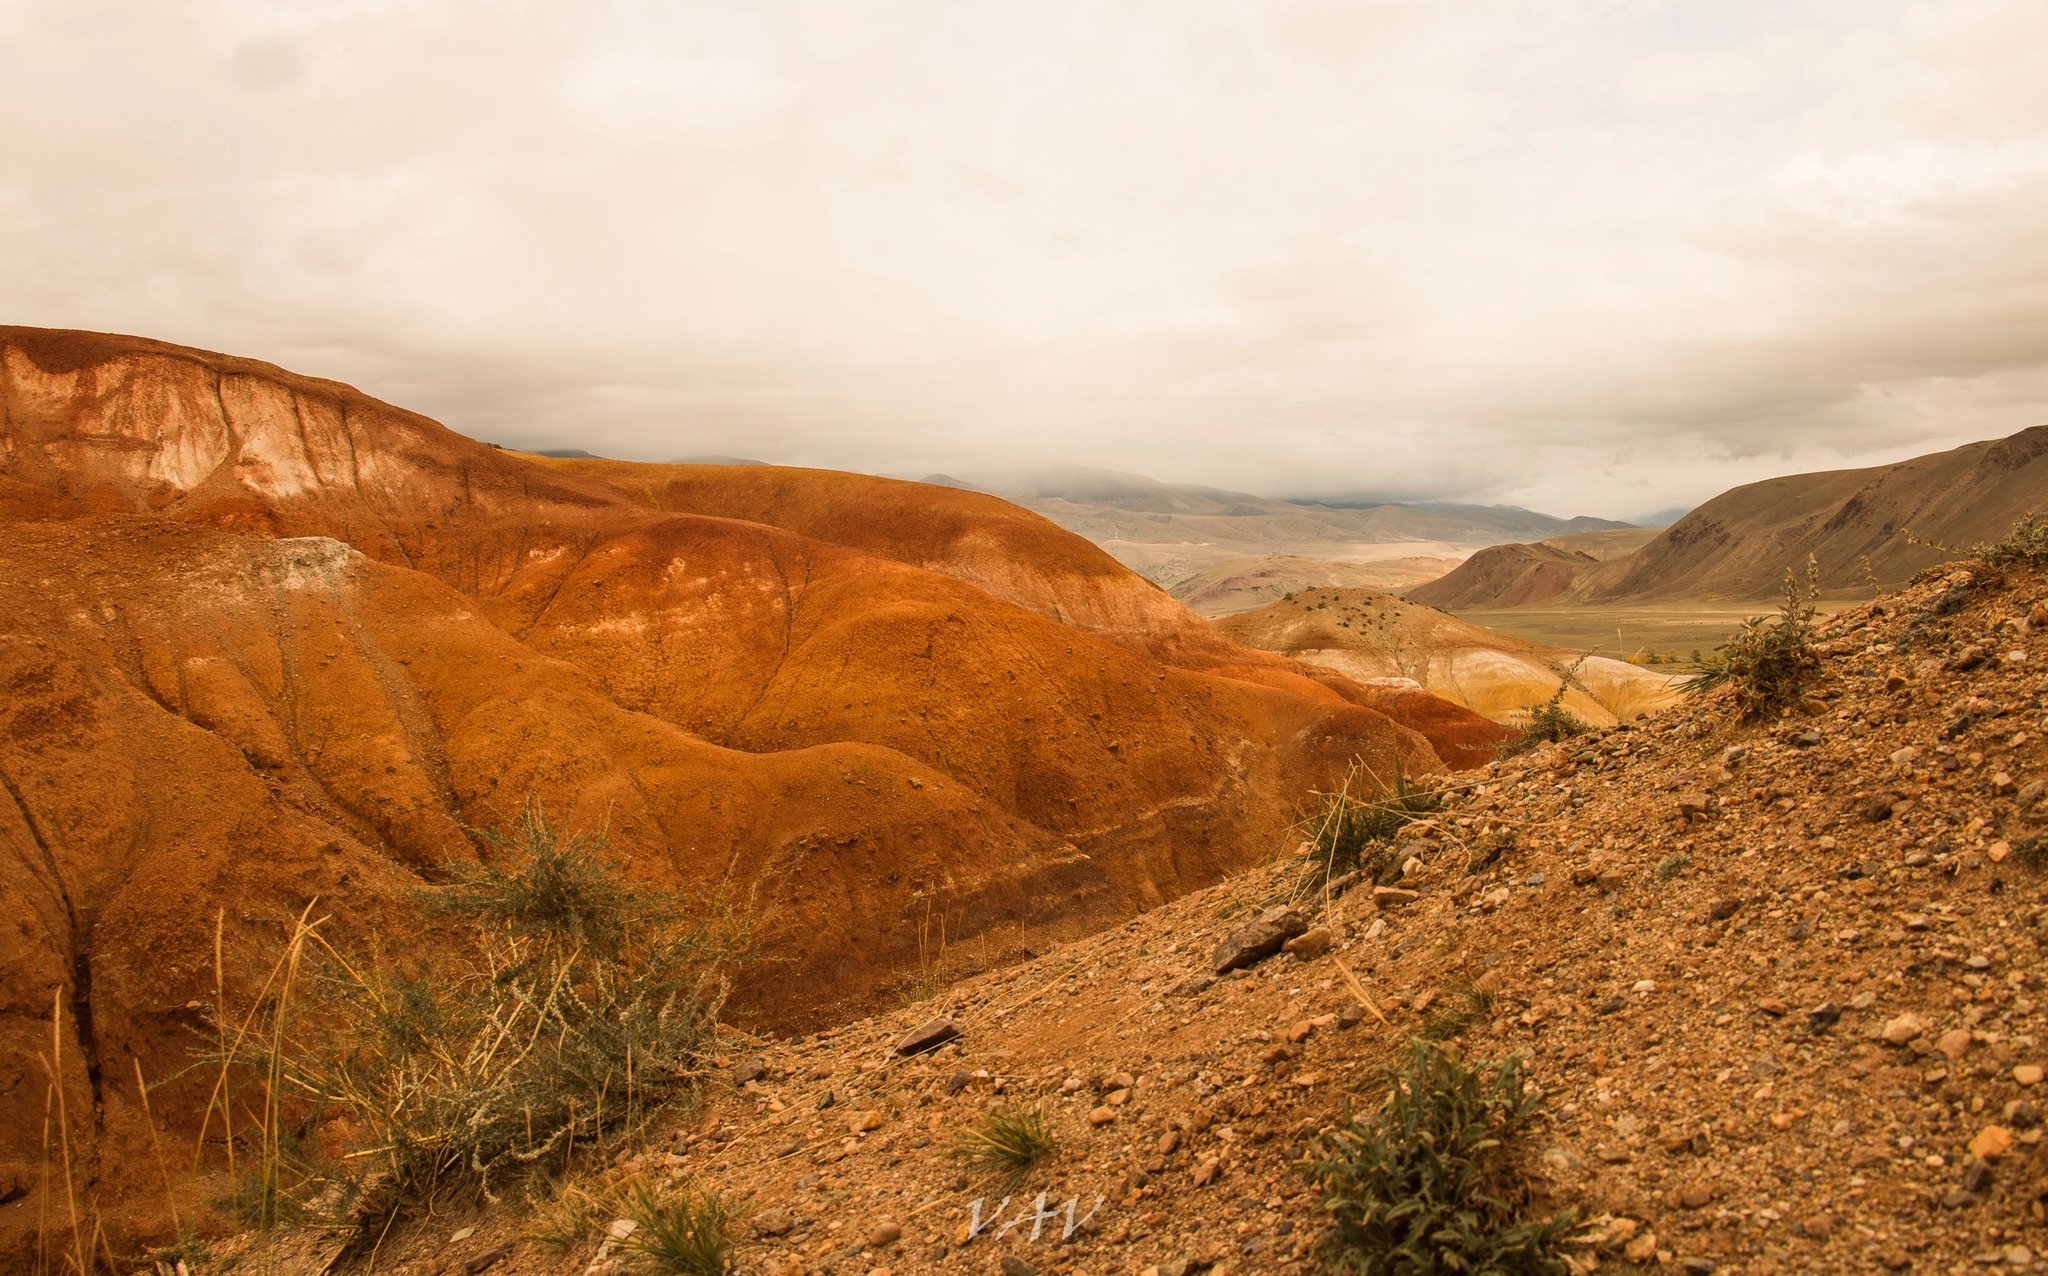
<point>1596,257</point>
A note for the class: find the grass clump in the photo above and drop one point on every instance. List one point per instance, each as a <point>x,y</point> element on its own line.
<point>1350,830</point>
<point>1010,1140</point>
<point>686,1232</point>
<point>1432,1183</point>
<point>564,1007</point>
<point>1769,661</point>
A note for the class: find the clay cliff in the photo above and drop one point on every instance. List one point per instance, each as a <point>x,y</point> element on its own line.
<point>269,640</point>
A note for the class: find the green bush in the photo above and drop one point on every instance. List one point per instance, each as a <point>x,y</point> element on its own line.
<point>1769,661</point>
<point>1432,1183</point>
<point>1549,722</point>
<point>568,1006</point>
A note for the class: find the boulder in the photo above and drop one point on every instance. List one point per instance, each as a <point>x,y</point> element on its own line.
<point>1252,943</point>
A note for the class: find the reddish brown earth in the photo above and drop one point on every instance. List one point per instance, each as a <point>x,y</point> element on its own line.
<point>267,639</point>
<point>1505,576</point>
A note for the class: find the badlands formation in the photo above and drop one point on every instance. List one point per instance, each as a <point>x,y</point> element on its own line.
<point>268,641</point>
<point>1777,985</point>
<point>1383,641</point>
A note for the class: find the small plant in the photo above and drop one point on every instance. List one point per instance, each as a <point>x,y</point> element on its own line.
<point>686,1232</point>
<point>1671,866</point>
<point>1549,722</point>
<point>1432,1183</point>
<point>1769,662</point>
<point>1011,1140</point>
<point>1350,830</point>
<point>2027,542</point>
<point>927,984</point>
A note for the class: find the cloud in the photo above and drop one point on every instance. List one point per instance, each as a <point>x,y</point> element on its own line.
<point>1588,255</point>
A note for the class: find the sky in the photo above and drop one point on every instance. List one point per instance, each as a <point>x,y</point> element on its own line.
<point>1586,256</point>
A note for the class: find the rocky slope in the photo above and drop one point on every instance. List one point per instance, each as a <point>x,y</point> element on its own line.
<point>1380,640</point>
<point>267,639</point>
<point>1778,983</point>
<point>1739,545</point>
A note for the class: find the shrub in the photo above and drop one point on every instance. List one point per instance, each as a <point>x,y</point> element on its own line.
<point>1351,830</point>
<point>1768,662</point>
<point>686,1232</point>
<point>1549,722</point>
<point>569,1005</point>
<point>1011,1139</point>
<point>1432,1183</point>
<point>2026,542</point>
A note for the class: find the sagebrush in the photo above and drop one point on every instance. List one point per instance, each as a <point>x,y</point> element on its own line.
<point>1770,660</point>
<point>562,1006</point>
<point>1549,722</point>
<point>1432,1183</point>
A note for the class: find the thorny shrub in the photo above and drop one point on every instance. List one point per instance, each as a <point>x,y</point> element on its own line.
<point>1769,661</point>
<point>570,1007</point>
<point>1432,1183</point>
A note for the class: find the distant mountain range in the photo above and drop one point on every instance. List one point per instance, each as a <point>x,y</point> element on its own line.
<point>1107,505</point>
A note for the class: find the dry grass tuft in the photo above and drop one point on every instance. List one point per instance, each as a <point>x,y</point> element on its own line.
<point>1010,1140</point>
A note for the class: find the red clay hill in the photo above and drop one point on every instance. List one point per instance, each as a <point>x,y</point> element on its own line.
<point>267,639</point>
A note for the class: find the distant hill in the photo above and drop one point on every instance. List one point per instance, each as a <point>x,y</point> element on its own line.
<point>1506,576</point>
<point>1739,545</point>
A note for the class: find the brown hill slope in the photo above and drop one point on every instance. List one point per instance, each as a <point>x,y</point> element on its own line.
<point>1505,576</point>
<point>1739,545</point>
<point>1784,1024</point>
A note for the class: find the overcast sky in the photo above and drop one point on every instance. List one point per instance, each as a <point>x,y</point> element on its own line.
<point>1588,256</point>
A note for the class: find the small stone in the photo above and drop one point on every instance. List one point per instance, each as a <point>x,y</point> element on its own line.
<point>2027,1074</point>
<point>1642,1249</point>
<point>1823,1015</point>
<point>1697,1266</point>
<point>1351,1016</point>
<point>958,1081</point>
<point>1819,1227</point>
<point>2018,1256</point>
<point>1393,896</point>
<point>1208,1172</point>
<point>1958,1199</point>
<point>1015,1266</point>
<point>1102,1115</point>
<point>1877,807</point>
<point>862,1122</point>
<point>1976,1176</point>
<point>1300,1032</point>
<point>1311,943</point>
<point>2022,1115</point>
<point>1692,804</point>
<point>1251,944</point>
<point>1696,1197</point>
<point>1903,1029</point>
<point>749,1071</point>
<point>1772,1007</point>
<point>1992,1142</point>
<point>1723,909</point>
<point>1955,1043</point>
<point>885,1234</point>
<point>929,1037</point>
<point>1895,1260</point>
<point>773,1222</point>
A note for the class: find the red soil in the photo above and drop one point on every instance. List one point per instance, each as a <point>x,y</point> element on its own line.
<point>267,639</point>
